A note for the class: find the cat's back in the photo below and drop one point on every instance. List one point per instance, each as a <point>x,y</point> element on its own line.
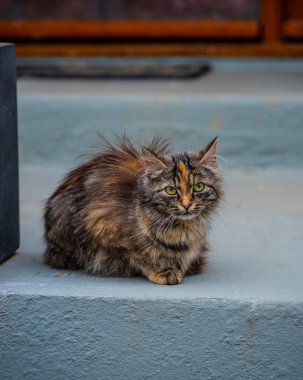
<point>105,177</point>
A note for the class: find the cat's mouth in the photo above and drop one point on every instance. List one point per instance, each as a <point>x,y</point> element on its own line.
<point>186,216</point>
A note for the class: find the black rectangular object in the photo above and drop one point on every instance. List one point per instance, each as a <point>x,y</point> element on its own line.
<point>9,181</point>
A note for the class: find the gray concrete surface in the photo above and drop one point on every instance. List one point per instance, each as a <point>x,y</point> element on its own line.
<point>255,107</point>
<point>242,318</point>
<point>256,245</point>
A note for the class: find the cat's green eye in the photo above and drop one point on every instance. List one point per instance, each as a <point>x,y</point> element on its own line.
<point>198,187</point>
<point>171,190</point>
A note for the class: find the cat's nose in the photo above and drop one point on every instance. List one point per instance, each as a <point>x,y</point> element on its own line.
<point>186,205</point>
<point>186,202</point>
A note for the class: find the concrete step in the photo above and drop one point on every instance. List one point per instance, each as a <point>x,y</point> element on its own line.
<point>257,112</point>
<point>242,318</point>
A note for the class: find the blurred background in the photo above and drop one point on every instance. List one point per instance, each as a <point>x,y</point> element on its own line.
<point>149,28</point>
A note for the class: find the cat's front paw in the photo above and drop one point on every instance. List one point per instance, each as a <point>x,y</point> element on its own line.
<point>167,277</point>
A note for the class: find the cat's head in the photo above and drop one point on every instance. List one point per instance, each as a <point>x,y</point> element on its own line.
<point>186,186</point>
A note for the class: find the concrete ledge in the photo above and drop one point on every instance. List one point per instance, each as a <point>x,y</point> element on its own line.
<point>242,318</point>
<point>95,338</point>
<point>256,244</point>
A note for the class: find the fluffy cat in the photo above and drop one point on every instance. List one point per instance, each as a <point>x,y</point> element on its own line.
<point>135,211</point>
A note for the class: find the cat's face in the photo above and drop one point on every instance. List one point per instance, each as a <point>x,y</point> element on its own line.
<point>184,186</point>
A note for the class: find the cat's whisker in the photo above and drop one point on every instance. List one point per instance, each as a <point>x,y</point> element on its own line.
<point>222,159</point>
<point>170,222</point>
<point>165,223</point>
<point>204,222</point>
<point>156,224</point>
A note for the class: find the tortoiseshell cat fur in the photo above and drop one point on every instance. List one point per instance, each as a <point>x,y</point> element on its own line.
<point>135,211</point>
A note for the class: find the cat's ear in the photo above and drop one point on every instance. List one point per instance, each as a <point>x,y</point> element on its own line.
<point>208,155</point>
<point>151,158</point>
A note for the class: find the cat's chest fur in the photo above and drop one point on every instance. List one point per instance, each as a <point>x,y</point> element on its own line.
<point>179,245</point>
<point>182,236</point>
<point>179,236</point>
